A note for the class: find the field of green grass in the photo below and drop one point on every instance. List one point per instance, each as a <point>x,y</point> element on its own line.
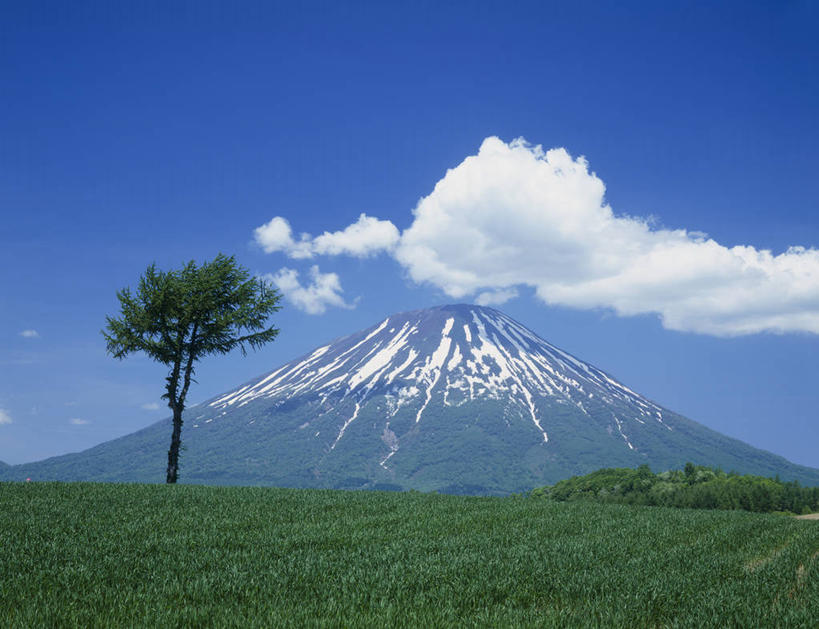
<point>97,555</point>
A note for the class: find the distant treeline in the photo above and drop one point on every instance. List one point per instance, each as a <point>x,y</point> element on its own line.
<point>694,487</point>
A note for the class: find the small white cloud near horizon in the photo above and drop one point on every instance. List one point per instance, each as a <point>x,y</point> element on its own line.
<point>5,418</point>
<point>76,421</point>
<point>30,334</point>
<point>150,406</point>
<point>364,238</point>
<point>324,289</point>
<point>514,215</point>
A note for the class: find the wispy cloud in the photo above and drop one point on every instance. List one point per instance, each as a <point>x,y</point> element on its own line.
<point>151,406</point>
<point>496,297</point>
<point>5,418</point>
<point>76,421</point>
<point>30,334</point>
<point>514,215</point>
<point>323,290</point>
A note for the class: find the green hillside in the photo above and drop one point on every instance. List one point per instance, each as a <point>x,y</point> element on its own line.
<point>147,555</point>
<point>461,450</point>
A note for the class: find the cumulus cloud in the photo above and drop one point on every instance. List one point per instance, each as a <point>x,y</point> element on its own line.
<point>76,421</point>
<point>323,290</point>
<point>151,406</point>
<point>514,215</point>
<point>5,418</point>
<point>30,334</point>
<point>278,236</point>
<point>366,237</point>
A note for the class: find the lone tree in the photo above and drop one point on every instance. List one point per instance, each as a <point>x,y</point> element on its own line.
<point>178,317</point>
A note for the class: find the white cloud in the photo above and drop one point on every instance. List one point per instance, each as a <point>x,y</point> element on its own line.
<point>5,418</point>
<point>366,237</point>
<point>496,297</point>
<point>278,236</point>
<point>151,406</point>
<point>30,334</point>
<point>324,289</point>
<point>516,216</point>
<point>76,421</point>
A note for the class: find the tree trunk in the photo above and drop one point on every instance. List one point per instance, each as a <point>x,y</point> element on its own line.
<point>176,440</point>
<point>177,402</point>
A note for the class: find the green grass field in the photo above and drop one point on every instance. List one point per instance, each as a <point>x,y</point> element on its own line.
<point>96,555</point>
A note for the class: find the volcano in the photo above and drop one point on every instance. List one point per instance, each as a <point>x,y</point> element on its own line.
<point>459,398</point>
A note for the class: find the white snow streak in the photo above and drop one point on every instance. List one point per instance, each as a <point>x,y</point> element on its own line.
<point>622,434</point>
<point>344,427</point>
<point>456,358</point>
<point>411,356</point>
<point>431,372</point>
<point>381,360</point>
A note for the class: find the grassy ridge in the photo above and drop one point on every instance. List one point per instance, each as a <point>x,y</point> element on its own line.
<point>124,555</point>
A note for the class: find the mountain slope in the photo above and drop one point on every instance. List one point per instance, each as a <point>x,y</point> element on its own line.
<point>454,398</point>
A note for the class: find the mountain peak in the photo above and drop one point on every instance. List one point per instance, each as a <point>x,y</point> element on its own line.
<point>458,353</point>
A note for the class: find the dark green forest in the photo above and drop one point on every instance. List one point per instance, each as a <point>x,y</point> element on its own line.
<point>695,487</point>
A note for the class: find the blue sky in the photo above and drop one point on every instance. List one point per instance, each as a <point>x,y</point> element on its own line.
<point>133,134</point>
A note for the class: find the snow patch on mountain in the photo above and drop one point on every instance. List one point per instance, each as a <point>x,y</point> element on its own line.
<point>344,427</point>
<point>456,354</point>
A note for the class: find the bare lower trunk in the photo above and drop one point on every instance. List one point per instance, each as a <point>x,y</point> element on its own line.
<point>176,440</point>
<point>177,403</point>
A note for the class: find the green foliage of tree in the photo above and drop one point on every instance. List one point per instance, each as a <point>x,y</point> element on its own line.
<point>178,317</point>
<point>695,487</point>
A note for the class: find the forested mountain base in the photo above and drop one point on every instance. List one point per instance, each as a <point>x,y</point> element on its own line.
<point>88,555</point>
<point>694,487</point>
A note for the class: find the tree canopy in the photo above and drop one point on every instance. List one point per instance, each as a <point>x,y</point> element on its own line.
<point>180,316</point>
<point>695,486</point>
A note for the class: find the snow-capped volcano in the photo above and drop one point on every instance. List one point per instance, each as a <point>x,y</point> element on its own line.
<point>455,398</point>
<point>456,354</point>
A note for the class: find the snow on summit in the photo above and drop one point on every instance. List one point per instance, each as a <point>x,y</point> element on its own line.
<point>455,354</point>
